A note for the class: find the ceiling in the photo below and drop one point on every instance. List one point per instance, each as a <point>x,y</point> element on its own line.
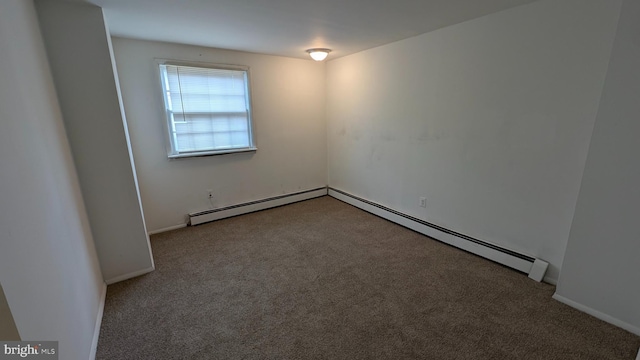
<point>289,27</point>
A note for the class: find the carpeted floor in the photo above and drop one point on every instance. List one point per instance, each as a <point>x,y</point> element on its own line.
<point>321,279</point>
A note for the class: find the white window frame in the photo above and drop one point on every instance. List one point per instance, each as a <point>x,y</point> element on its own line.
<point>172,153</point>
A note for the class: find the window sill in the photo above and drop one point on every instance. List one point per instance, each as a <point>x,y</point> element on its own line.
<point>212,153</point>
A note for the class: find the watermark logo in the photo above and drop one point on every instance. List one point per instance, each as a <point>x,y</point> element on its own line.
<point>29,350</point>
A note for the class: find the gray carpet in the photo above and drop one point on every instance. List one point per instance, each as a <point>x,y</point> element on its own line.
<point>321,279</point>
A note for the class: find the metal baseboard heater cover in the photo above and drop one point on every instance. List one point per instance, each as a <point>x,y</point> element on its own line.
<point>535,268</point>
<point>248,207</point>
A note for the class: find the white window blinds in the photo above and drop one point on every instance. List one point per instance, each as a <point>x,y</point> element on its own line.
<point>207,109</point>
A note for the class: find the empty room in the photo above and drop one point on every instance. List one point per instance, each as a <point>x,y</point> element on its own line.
<point>237,179</point>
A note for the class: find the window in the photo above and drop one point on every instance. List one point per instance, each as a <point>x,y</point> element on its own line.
<point>208,109</point>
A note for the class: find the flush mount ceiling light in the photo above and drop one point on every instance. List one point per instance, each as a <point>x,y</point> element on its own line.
<point>318,54</point>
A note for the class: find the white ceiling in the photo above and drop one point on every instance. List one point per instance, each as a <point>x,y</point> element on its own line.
<point>289,27</point>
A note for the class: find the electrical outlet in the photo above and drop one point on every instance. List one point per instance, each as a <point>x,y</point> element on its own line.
<point>210,193</point>
<point>423,202</point>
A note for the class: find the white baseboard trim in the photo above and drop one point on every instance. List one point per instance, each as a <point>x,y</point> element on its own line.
<point>174,227</point>
<point>597,314</point>
<point>129,275</point>
<point>550,280</point>
<point>512,259</point>
<point>245,208</point>
<point>96,330</point>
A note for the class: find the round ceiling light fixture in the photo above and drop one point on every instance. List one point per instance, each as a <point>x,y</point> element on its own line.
<point>318,54</point>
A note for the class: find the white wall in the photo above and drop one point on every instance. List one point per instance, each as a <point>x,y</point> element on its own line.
<point>490,120</point>
<point>78,48</point>
<point>601,271</point>
<point>48,265</point>
<point>289,116</point>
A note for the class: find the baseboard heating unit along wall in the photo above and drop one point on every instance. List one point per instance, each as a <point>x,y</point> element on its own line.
<point>248,207</point>
<point>535,268</point>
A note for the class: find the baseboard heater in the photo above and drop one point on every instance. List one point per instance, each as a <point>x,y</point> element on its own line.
<point>257,205</point>
<point>535,268</point>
